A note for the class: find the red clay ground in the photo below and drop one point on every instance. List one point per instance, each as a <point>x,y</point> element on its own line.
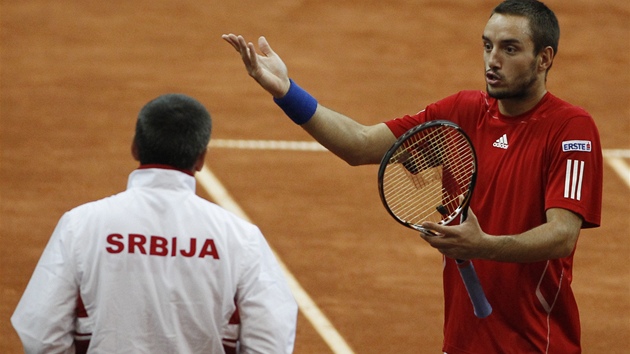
<point>74,74</point>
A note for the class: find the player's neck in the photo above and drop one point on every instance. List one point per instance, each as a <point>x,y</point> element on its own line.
<point>512,107</point>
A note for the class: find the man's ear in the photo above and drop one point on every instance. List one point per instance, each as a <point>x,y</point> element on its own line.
<point>134,150</point>
<point>545,59</point>
<point>200,161</point>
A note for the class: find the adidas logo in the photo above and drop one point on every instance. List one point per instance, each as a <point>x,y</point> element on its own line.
<point>501,142</point>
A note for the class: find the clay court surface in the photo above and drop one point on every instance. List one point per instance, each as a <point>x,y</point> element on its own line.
<point>75,73</point>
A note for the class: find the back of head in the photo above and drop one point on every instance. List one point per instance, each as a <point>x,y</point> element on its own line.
<point>545,30</point>
<point>173,130</point>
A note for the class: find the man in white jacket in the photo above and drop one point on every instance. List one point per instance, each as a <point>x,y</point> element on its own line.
<point>156,268</point>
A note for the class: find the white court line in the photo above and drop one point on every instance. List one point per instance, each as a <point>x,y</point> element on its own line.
<point>614,157</point>
<point>621,167</point>
<point>307,306</point>
<point>267,145</point>
<point>621,153</point>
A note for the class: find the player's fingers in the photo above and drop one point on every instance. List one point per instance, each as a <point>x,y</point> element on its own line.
<point>264,46</point>
<point>471,218</point>
<point>471,214</point>
<point>232,39</point>
<point>438,243</point>
<point>434,227</point>
<point>242,47</point>
<point>436,240</point>
<point>251,53</point>
<point>239,44</point>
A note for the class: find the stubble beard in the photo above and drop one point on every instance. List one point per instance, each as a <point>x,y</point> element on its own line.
<point>521,89</point>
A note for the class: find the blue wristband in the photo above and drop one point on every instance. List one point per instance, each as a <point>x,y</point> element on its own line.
<point>298,104</point>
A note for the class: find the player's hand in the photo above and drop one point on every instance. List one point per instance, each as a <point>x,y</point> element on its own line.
<point>266,68</point>
<point>464,241</point>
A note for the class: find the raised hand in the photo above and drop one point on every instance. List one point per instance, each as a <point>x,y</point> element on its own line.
<point>266,68</point>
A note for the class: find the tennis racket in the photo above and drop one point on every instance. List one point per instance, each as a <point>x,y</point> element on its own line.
<point>429,175</point>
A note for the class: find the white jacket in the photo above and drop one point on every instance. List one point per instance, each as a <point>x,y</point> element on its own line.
<point>159,270</point>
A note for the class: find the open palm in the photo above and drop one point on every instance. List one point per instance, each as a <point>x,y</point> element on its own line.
<point>266,68</point>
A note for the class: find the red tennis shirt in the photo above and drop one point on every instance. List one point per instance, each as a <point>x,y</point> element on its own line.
<point>549,157</point>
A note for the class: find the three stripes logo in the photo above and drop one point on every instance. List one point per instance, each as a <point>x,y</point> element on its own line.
<point>573,179</point>
<point>574,170</point>
<point>502,142</point>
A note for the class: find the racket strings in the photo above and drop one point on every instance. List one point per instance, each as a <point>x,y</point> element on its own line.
<point>428,174</point>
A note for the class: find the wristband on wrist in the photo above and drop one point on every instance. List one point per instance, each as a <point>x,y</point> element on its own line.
<point>298,104</point>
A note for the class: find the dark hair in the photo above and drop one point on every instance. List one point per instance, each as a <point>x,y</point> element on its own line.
<point>174,130</point>
<point>543,24</point>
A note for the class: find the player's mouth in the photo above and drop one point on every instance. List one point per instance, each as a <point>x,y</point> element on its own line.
<point>492,78</point>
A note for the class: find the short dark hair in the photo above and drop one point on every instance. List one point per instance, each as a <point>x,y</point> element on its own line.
<point>545,30</point>
<point>173,130</point>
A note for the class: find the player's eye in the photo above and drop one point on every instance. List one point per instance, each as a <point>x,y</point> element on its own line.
<point>510,50</point>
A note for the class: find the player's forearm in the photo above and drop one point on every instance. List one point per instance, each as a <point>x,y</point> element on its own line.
<point>552,240</point>
<point>355,143</point>
<point>532,246</point>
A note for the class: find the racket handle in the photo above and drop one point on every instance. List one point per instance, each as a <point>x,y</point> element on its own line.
<point>480,304</point>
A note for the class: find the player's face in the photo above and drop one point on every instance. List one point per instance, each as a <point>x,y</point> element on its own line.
<point>510,63</point>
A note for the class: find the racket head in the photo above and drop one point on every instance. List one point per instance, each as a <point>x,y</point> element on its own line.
<point>428,174</point>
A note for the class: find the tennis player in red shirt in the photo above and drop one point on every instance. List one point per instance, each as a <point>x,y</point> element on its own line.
<point>539,181</point>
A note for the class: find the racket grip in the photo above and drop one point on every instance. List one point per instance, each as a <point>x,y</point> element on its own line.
<point>477,296</point>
